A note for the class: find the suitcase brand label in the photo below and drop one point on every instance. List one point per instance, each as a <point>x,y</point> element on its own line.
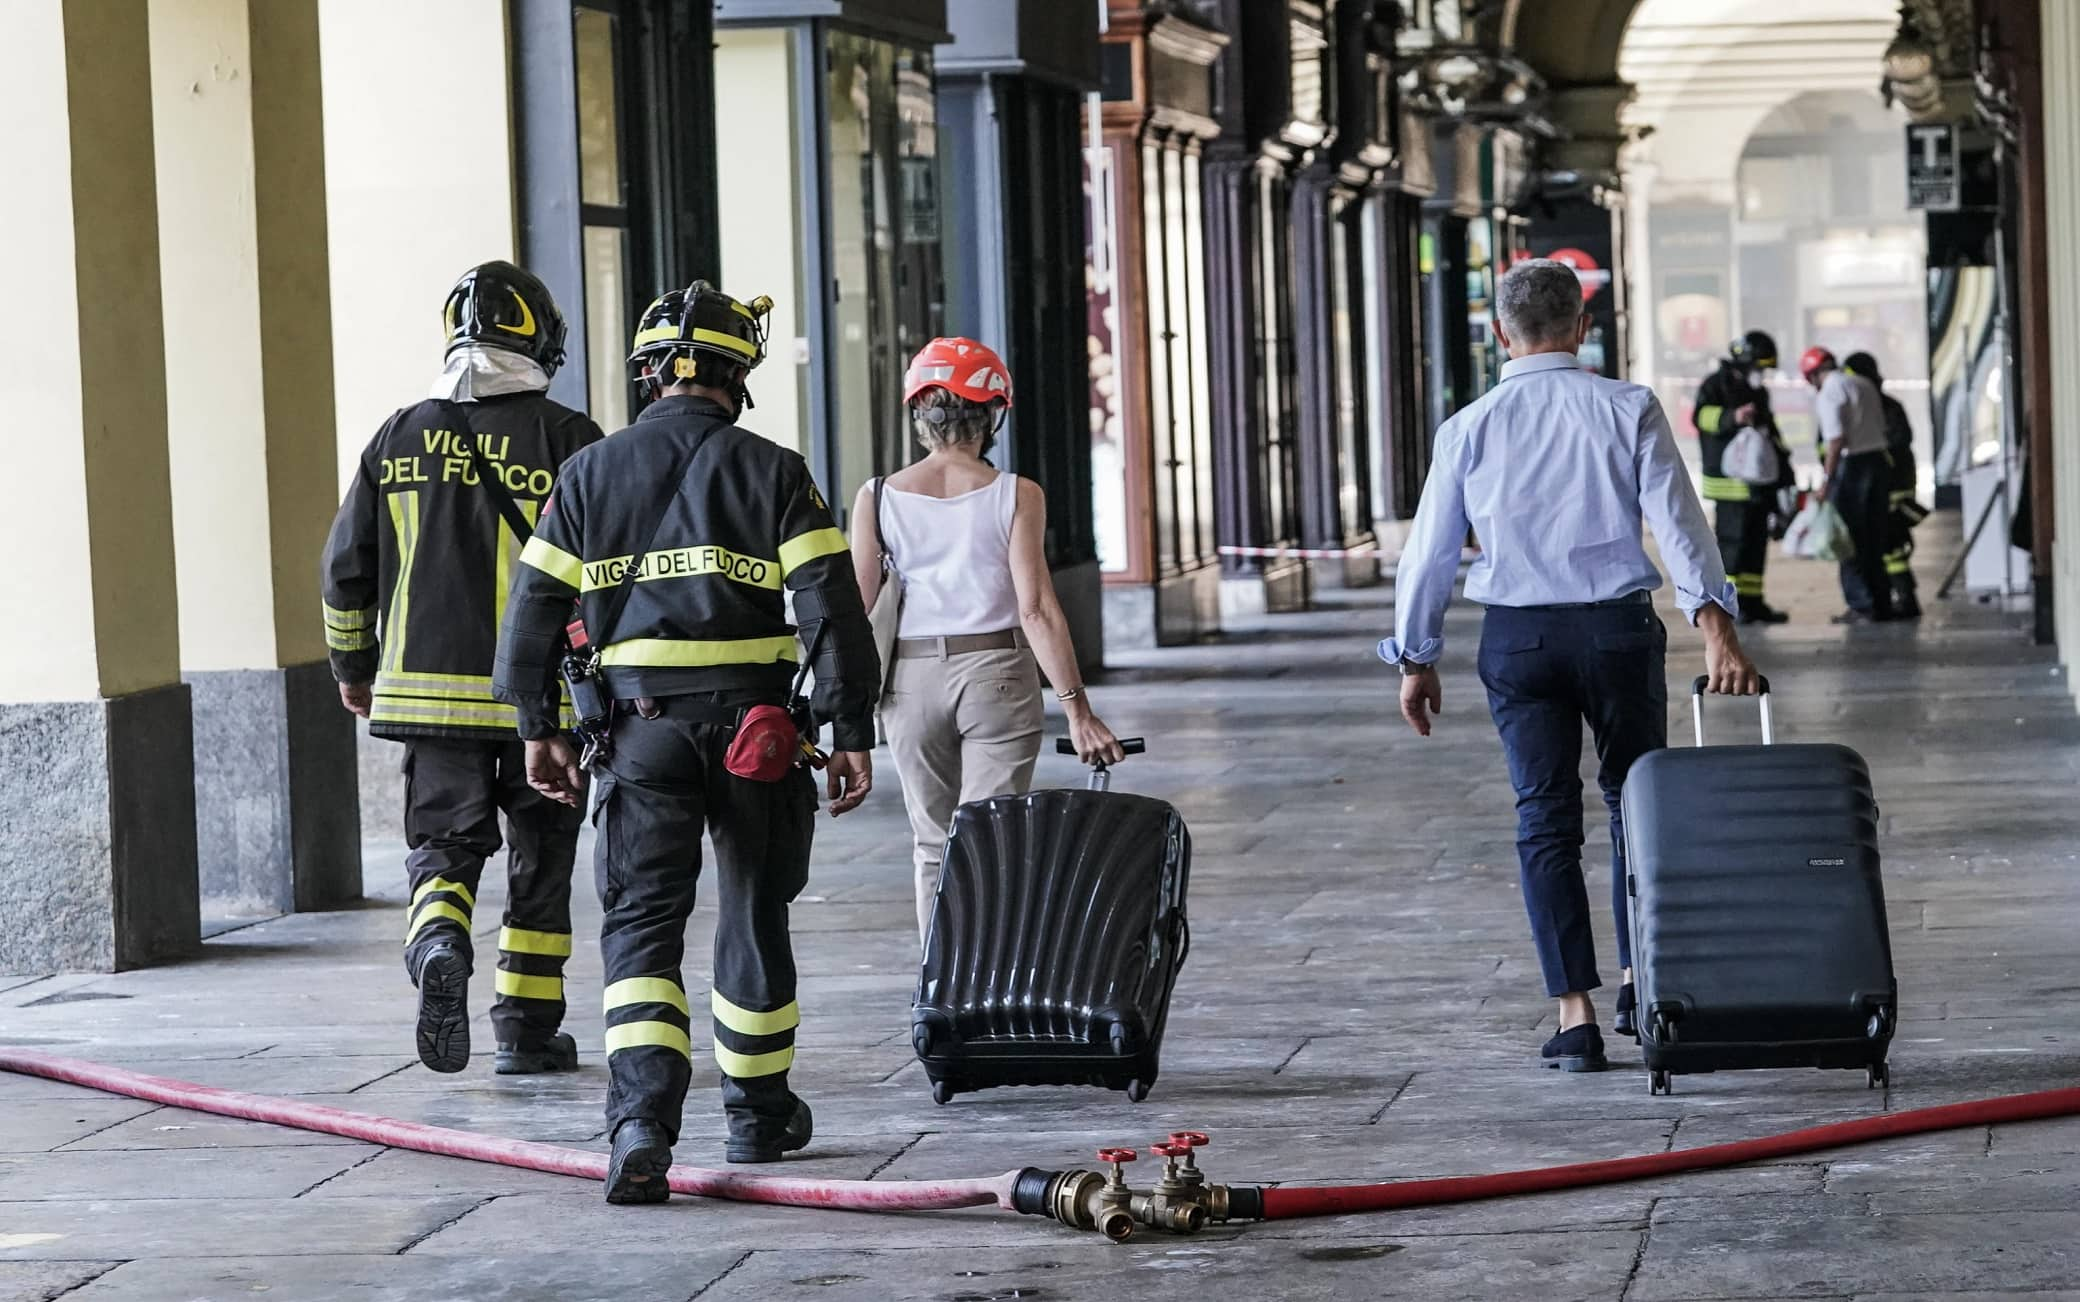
<point>1827,863</point>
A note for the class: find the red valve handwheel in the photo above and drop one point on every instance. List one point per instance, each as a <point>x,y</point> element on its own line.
<point>1171,1150</point>
<point>1117,1155</point>
<point>1190,1138</point>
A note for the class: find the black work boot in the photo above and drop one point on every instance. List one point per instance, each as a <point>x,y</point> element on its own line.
<point>558,1053</point>
<point>758,1139</point>
<point>641,1163</point>
<point>444,1007</point>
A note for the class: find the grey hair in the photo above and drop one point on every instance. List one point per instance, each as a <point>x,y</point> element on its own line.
<point>1539,301</point>
<point>957,420</point>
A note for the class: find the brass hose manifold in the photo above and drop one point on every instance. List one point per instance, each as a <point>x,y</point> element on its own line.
<point>1183,1201</point>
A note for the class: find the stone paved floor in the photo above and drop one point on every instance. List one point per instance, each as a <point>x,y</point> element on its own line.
<point>1361,1003</point>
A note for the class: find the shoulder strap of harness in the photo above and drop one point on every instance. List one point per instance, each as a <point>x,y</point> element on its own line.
<point>515,520</point>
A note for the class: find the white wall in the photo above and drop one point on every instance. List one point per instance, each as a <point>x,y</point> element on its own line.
<point>418,183</point>
<point>2061,163</point>
<point>761,230</point>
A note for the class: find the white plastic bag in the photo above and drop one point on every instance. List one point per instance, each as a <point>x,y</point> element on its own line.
<point>1818,533</point>
<point>1751,456</point>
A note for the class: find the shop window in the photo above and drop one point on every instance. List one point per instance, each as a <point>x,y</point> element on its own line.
<point>604,214</point>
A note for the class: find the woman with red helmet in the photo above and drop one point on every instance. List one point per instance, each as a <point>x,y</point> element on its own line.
<point>964,542</point>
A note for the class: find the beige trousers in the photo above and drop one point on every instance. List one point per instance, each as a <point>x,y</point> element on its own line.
<point>963,728</point>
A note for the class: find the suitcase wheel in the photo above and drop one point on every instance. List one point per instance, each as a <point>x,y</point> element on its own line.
<point>1876,1076</point>
<point>1137,1090</point>
<point>942,1092</point>
<point>1660,1081</point>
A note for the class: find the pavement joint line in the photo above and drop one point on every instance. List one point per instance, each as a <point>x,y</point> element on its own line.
<point>732,1269</point>
<point>897,1156</point>
<point>112,1266</point>
<point>255,1053</point>
<point>67,1145</point>
<point>1297,1051</point>
<point>380,1079</point>
<point>1406,1081</point>
<point>379,1151</point>
<point>448,1224</point>
<point>1639,1252</point>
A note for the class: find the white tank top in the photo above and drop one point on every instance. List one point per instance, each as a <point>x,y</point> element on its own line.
<point>954,557</point>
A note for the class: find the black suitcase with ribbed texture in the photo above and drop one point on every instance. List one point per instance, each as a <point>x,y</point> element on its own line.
<point>1055,941</point>
<point>1758,917</point>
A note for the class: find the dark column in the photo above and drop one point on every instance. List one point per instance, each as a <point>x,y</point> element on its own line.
<point>545,166</point>
<point>1321,523</point>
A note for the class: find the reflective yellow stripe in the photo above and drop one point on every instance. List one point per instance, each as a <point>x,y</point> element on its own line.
<point>1748,585</point>
<point>552,560</point>
<point>1708,419</point>
<point>636,1035</point>
<point>673,653</point>
<point>744,1066</point>
<point>349,620</point>
<point>517,940</point>
<point>685,563</point>
<point>1720,489</point>
<point>438,687</point>
<point>508,548</point>
<point>522,986</point>
<point>404,518</point>
<point>338,641</point>
<point>814,545</point>
<point>483,714</point>
<point>745,1022</point>
<point>741,347</point>
<point>645,990</point>
<point>469,897</point>
<point>438,909</point>
<point>656,333</point>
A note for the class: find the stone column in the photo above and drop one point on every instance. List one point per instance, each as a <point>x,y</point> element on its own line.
<point>97,833</point>
<point>239,138</point>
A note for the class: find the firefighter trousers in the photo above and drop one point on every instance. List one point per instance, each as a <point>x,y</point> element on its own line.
<point>663,782</point>
<point>1743,532</point>
<point>454,793</point>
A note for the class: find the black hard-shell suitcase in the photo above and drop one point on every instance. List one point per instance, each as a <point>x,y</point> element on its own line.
<point>1758,917</point>
<point>1055,942</point>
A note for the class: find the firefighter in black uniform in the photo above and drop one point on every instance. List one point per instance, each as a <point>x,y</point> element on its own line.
<point>1730,399</point>
<point>1902,483</point>
<point>679,537</point>
<point>420,552</point>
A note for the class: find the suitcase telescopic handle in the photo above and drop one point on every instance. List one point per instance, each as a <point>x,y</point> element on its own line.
<point>1697,686</point>
<point>1101,772</point>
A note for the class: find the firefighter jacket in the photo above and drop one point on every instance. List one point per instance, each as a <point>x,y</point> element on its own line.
<point>417,567</point>
<point>1903,481</point>
<point>741,522</point>
<point>1724,392</point>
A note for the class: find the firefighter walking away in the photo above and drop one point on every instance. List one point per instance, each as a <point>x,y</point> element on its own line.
<point>415,576</point>
<point>680,537</point>
<point>1730,402</point>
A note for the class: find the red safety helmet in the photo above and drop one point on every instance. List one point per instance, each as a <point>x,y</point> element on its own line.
<point>1814,360</point>
<point>962,367</point>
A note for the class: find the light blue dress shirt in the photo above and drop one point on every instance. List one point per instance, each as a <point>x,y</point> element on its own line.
<point>1553,469</point>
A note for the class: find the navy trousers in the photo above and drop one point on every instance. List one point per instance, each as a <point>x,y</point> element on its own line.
<point>1547,670</point>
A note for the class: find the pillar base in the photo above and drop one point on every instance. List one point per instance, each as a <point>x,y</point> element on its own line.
<point>277,815</point>
<point>97,836</point>
<point>1173,611</point>
<point>1280,587</point>
<point>1359,569</point>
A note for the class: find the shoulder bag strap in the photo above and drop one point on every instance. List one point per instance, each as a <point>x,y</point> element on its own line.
<point>888,565</point>
<point>619,601</point>
<point>458,415</point>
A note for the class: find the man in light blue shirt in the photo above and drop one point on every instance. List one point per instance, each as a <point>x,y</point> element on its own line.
<point>1553,471</point>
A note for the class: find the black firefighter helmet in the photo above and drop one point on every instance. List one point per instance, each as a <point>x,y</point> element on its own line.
<point>500,305</point>
<point>1754,351</point>
<point>703,335</point>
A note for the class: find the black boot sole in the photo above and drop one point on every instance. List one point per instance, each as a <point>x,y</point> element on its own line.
<point>1580,1062</point>
<point>443,1032</point>
<point>536,1062</point>
<point>640,1175</point>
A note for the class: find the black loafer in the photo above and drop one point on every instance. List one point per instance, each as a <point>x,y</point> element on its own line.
<point>641,1164</point>
<point>1623,1023</point>
<point>443,1033</point>
<point>558,1053</point>
<point>756,1144</point>
<point>1578,1049</point>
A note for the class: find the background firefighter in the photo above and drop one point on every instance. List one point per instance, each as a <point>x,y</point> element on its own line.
<point>1730,399</point>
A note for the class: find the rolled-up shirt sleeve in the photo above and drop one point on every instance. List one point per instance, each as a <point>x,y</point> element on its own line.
<point>1430,560</point>
<point>1669,504</point>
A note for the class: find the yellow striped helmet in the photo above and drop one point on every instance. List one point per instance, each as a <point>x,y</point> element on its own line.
<point>701,334</point>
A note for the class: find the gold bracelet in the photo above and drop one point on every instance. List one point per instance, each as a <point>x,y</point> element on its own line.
<point>1069,695</point>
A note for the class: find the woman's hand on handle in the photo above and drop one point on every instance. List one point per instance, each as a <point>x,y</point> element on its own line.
<point>1094,741</point>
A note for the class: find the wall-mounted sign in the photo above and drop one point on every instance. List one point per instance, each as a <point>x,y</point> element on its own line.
<point>1593,277</point>
<point>1933,176</point>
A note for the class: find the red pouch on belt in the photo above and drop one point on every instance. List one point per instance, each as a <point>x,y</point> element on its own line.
<point>766,745</point>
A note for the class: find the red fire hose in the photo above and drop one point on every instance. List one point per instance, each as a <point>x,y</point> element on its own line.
<point>1011,1191</point>
<point>850,1195</point>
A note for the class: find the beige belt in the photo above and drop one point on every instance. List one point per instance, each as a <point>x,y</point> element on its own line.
<point>940,648</point>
